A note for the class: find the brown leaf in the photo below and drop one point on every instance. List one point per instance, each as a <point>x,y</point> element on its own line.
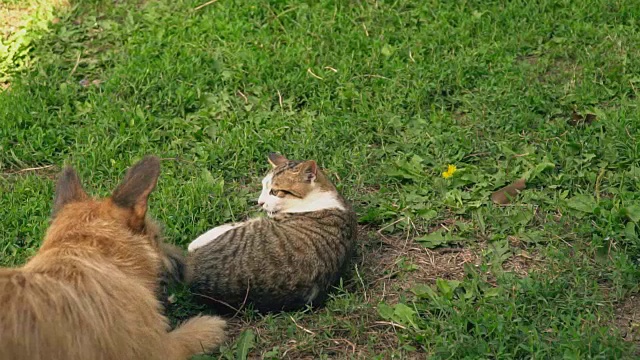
<point>589,119</point>
<point>577,119</point>
<point>506,194</point>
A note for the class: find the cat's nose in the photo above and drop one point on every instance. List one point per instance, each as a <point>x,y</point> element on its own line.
<point>260,203</point>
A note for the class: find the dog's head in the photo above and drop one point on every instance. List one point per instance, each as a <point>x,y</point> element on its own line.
<point>116,226</point>
<point>127,206</point>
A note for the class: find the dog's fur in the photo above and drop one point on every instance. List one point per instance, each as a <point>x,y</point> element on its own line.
<point>90,291</point>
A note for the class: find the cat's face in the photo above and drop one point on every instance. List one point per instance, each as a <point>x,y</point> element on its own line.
<point>294,186</point>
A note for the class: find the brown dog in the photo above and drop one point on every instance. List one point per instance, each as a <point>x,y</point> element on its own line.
<point>89,292</point>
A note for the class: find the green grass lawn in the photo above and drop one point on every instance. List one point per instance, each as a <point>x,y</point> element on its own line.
<point>384,95</point>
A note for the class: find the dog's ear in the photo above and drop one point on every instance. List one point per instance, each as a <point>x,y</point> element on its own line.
<point>133,193</point>
<point>68,190</point>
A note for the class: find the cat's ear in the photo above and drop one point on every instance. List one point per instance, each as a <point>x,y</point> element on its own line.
<point>276,159</point>
<point>133,193</point>
<point>309,170</point>
<point>68,190</point>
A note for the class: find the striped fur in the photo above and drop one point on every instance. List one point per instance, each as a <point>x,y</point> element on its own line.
<point>281,262</point>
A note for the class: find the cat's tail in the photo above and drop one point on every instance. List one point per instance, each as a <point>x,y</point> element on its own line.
<point>197,335</point>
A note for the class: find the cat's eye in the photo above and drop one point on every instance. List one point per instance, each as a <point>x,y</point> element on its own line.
<point>278,193</point>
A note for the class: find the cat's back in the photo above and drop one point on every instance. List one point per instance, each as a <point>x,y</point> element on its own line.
<point>326,235</point>
<point>281,262</point>
<point>294,236</point>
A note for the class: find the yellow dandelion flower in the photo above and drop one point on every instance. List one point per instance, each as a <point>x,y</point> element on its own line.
<point>450,170</point>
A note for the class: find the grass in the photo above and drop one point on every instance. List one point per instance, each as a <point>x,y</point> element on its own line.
<point>22,22</point>
<point>384,94</point>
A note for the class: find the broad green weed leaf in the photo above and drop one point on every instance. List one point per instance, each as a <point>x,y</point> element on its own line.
<point>405,314</point>
<point>433,240</point>
<point>583,203</point>
<point>537,170</point>
<point>532,236</point>
<point>447,287</point>
<point>630,231</point>
<point>428,215</point>
<point>522,216</point>
<point>424,291</point>
<point>469,293</point>
<point>399,313</point>
<point>408,170</point>
<point>478,216</point>
<point>385,311</point>
<point>244,344</point>
<point>633,213</point>
<point>409,348</point>
<point>273,353</point>
<point>492,292</point>
<point>540,168</point>
<point>437,238</point>
<point>498,253</point>
<point>387,50</point>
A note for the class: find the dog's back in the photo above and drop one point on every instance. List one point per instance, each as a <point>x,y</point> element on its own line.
<point>89,292</point>
<point>101,316</point>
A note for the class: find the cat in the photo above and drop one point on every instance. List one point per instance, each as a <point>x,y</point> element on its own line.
<point>90,290</point>
<point>282,262</point>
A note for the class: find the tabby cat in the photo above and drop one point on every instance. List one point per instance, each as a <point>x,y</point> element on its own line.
<point>284,261</point>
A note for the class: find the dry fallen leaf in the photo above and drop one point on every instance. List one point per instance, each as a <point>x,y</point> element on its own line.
<point>86,83</point>
<point>506,194</point>
<point>589,118</point>
<point>577,119</point>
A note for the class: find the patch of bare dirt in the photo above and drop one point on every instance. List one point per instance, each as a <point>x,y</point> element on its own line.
<point>392,265</point>
<point>555,71</point>
<point>532,60</point>
<point>523,259</point>
<point>562,70</point>
<point>521,263</point>
<point>13,17</point>
<point>627,319</point>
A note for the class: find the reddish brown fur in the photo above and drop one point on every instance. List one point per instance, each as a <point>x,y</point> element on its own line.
<point>89,292</point>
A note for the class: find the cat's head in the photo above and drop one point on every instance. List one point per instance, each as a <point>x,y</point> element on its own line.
<point>296,187</point>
